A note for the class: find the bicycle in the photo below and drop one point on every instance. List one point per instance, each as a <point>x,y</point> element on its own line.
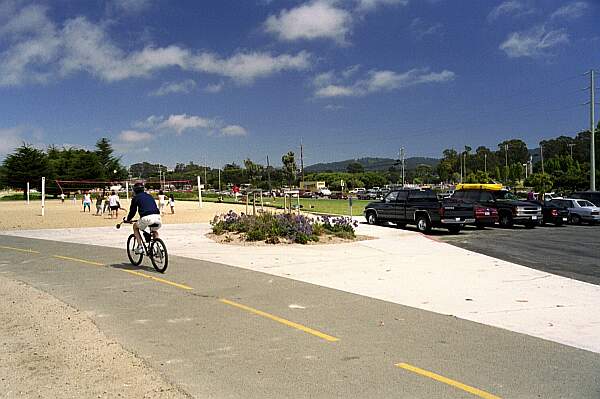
<point>154,248</point>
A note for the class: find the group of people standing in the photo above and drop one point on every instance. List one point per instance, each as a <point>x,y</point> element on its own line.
<point>110,203</point>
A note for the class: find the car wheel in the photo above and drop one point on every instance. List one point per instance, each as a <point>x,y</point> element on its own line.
<point>506,220</point>
<point>372,218</point>
<point>455,229</point>
<point>423,224</point>
<point>576,219</point>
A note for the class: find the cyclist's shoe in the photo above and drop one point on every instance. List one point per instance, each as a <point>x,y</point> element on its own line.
<point>139,250</point>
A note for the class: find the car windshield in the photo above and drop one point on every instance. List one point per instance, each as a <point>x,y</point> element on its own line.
<point>506,195</point>
<point>584,203</point>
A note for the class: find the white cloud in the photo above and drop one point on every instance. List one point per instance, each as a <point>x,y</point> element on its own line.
<point>10,138</point>
<point>183,87</point>
<point>214,88</point>
<point>333,107</point>
<point>39,51</point>
<point>570,11</point>
<point>246,67</point>
<point>369,5</point>
<point>420,29</point>
<point>515,8</point>
<point>183,122</point>
<point>233,130</point>
<point>134,136</point>
<point>132,6</point>
<point>381,81</point>
<point>178,124</point>
<point>535,42</point>
<point>318,19</point>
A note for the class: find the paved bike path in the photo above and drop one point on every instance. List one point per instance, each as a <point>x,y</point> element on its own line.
<point>213,349</point>
<point>402,267</point>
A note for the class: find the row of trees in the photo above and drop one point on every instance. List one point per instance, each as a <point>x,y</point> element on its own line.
<point>29,164</point>
<point>565,167</point>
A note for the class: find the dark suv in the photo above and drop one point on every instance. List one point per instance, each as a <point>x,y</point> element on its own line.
<point>592,196</point>
<point>422,208</point>
<point>511,210</point>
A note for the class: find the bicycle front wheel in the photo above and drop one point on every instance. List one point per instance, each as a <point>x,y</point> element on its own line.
<point>132,244</point>
<point>158,255</point>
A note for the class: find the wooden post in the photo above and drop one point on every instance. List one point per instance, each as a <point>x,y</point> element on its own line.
<point>43,195</point>
<point>246,203</point>
<point>27,193</point>
<point>262,209</point>
<point>253,203</point>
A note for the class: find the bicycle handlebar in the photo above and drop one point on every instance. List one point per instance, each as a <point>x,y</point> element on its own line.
<point>125,221</point>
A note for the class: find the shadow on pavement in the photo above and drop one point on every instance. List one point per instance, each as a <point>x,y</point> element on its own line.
<point>129,266</point>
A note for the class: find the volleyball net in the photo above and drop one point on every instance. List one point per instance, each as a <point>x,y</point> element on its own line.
<point>73,187</point>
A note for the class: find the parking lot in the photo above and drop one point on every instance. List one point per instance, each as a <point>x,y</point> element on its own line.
<point>569,251</point>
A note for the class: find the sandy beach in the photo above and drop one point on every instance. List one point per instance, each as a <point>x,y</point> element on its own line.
<point>17,215</point>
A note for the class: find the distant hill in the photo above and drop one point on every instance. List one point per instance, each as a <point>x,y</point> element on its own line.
<point>371,164</point>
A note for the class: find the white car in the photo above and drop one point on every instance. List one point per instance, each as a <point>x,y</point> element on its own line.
<point>325,192</point>
<point>581,210</point>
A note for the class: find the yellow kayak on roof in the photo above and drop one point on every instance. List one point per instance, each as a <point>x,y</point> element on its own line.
<point>477,186</point>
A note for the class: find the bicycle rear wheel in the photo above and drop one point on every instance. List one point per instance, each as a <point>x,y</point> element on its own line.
<point>132,244</point>
<point>158,255</point>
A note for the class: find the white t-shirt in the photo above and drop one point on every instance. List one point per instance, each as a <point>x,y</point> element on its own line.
<point>87,199</point>
<point>113,199</point>
<point>161,199</point>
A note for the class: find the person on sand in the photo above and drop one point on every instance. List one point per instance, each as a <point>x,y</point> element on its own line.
<point>113,202</point>
<point>62,198</point>
<point>172,203</point>
<point>161,202</point>
<point>105,206</point>
<point>99,201</point>
<point>87,202</point>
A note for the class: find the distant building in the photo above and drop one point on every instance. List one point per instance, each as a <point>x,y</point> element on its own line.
<point>313,186</point>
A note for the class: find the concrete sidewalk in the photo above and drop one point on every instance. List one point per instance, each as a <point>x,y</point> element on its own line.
<point>402,267</point>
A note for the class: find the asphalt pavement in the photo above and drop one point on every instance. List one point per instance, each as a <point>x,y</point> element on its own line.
<point>569,251</point>
<point>218,331</point>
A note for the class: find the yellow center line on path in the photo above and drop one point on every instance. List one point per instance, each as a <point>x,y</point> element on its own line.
<point>160,280</point>
<point>455,384</point>
<point>88,262</point>
<point>31,251</point>
<point>280,320</point>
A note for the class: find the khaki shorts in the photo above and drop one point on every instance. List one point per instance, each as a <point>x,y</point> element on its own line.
<point>146,221</point>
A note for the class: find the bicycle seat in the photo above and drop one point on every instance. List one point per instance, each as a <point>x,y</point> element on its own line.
<point>153,225</point>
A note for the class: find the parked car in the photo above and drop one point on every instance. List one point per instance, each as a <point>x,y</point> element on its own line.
<point>511,210</point>
<point>422,208</point>
<point>592,196</point>
<point>484,216</point>
<point>338,195</point>
<point>324,192</point>
<point>552,213</point>
<point>580,210</point>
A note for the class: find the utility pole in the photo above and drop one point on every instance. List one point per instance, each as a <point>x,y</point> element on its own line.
<point>571,148</point>
<point>301,161</point>
<point>485,162</point>
<point>542,156</point>
<point>592,133</point>
<point>269,174</point>
<point>219,179</point>
<point>461,168</point>
<point>465,163</point>
<point>506,154</point>
<point>402,161</point>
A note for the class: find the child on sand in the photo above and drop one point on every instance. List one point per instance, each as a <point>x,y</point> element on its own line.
<point>87,202</point>
<point>113,201</point>
<point>161,202</point>
<point>172,203</point>
<point>99,201</point>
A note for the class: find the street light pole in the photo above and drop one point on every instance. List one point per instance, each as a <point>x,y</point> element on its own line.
<point>592,129</point>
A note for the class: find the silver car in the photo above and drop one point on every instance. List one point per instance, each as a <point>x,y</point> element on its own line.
<point>580,210</point>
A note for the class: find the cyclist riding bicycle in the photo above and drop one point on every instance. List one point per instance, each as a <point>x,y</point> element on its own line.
<point>143,203</point>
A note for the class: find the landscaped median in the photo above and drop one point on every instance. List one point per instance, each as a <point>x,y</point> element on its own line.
<point>277,228</point>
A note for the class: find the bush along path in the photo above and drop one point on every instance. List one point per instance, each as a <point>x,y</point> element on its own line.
<point>274,228</point>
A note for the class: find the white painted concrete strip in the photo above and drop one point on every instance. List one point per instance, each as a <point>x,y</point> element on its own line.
<point>401,267</point>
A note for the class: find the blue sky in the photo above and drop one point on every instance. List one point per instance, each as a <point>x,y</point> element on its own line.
<point>217,81</point>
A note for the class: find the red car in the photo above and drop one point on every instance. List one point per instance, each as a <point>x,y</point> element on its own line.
<point>484,216</point>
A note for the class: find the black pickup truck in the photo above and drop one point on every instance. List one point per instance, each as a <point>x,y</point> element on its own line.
<point>422,208</point>
<point>511,210</point>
